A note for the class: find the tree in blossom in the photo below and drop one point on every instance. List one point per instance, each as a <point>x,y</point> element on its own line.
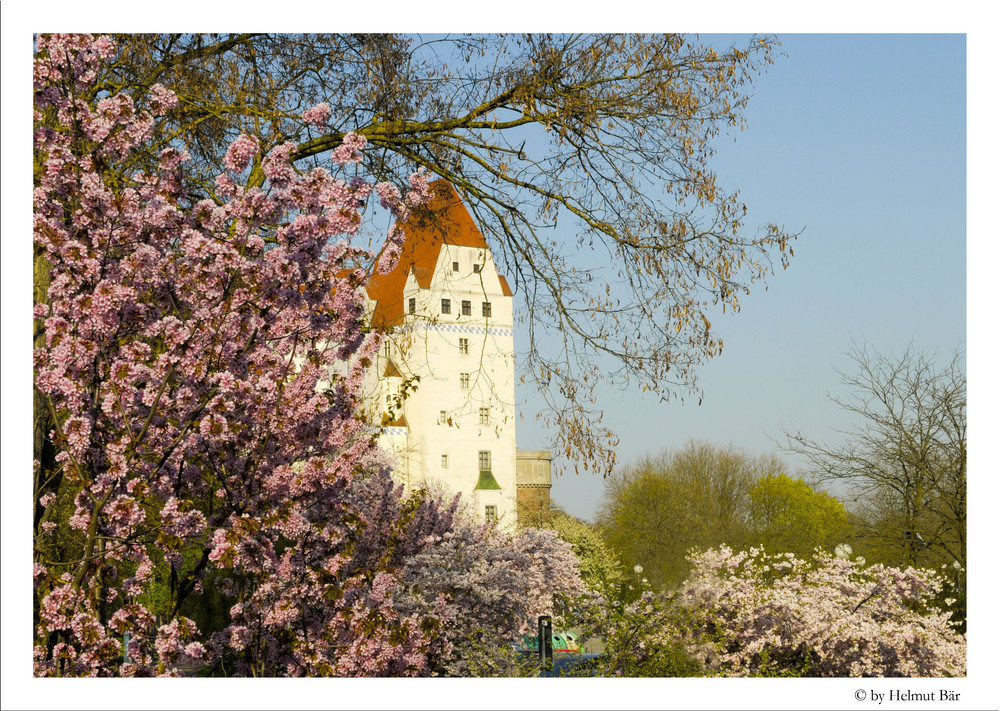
<point>498,583</point>
<point>757,614</point>
<point>200,362</point>
<point>599,566</point>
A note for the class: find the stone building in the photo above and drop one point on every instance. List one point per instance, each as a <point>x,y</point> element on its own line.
<point>534,483</point>
<point>443,384</point>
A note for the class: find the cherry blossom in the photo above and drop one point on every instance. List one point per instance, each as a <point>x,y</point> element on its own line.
<point>204,420</point>
<point>318,115</point>
<point>214,492</point>
<point>754,613</point>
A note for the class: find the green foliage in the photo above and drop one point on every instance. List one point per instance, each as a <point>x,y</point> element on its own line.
<point>599,566</point>
<point>670,659</point>
<point>777,664</point>
<point>788,515</point>
<point>656,510</point>
<point>642,638</point>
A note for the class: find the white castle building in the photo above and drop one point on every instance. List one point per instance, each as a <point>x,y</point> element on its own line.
<point>443,384</point>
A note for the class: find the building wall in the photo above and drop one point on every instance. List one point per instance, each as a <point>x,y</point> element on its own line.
<point>442,417</point>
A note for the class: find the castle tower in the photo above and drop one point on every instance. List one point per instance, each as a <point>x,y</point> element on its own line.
<point>534,485</point>
<point>444,381</point>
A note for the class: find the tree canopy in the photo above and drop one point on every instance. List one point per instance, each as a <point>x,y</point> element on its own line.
<point>655,510</point>
<point>608,136</point>
<point>599,567</point>
<point>787,515</point>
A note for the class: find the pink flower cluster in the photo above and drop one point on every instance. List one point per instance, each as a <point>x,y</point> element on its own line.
<point>173,645</point>
<point>349,151</point>
<point>241,152</point>
<point>179,522</point>
<point>69,58</point>
<point>204,365</point>
<point>162,98</point>
<point>496,583</point>
<point>759,614</point>
<point>318,115</point>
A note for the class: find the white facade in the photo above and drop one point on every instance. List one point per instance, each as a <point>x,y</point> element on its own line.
<point>444,381</point>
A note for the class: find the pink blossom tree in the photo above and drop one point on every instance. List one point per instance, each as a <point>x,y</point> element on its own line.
<point>497,584</point>
<point>200,361</point>
<point>755,614</point>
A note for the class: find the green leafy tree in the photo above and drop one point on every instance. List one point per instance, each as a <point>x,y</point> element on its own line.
<point>599,566</point>
<point>788,515</point>
<point>645,637</point>
<point>656,510</point>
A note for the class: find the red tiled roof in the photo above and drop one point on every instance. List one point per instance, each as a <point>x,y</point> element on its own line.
<point>443,220</point>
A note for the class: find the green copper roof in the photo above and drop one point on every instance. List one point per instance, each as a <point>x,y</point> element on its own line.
<point>486,482</point>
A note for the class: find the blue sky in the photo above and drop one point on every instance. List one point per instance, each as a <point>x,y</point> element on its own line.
<point>859,141</point>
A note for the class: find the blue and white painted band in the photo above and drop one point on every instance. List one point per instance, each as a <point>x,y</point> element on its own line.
<point>460,328</point>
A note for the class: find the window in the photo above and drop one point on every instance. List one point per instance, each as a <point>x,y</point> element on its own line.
<point>413,306</point>
<point>444,461</point>
<point>466,308</point>
<point>442,417</point>
<point>446,306</point>
<point>484,415</point>
<point>491,513</point>
<point>387,349</point>
<point>487,309</point>
<point>463,346</point>
<point>477,268</point>
<point>454,266</point>
<point>485,461</point>
<point>463,380</point>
